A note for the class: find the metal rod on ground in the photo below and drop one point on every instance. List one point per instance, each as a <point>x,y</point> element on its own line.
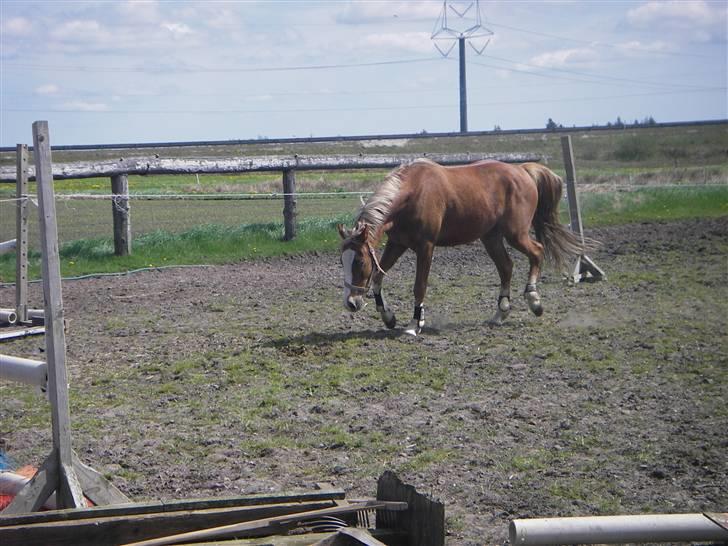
<point>616,529</point>
<point>9,316</point>
<point>24,370</point>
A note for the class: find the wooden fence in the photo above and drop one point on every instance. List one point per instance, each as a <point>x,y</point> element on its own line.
<point>119,170</point>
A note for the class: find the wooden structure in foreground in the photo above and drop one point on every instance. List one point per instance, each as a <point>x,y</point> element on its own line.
<point>324,518</point>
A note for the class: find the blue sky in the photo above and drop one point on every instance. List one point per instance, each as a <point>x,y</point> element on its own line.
<point>147,71</point>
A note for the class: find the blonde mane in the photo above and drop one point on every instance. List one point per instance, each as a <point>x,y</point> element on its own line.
<point>375,211</point>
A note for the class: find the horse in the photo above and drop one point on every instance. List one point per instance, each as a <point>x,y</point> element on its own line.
<point>422,204</point>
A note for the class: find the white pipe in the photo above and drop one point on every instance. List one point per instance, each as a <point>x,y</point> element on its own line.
<point>7,246</point>
<point>35,314</point>
<point>24,370</point>
<point>11,484</point>
<point>616,529</point>
<point>8,315</point>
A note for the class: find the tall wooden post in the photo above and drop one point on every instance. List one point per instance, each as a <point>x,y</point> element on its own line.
<point>120,211</point>
<point>584,266</point>
<point>463,88</point>
<point>21,230</point>
<point>289,204</point>
<point>61,470</point>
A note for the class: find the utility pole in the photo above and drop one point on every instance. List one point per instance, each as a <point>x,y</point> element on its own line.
<point>468,27</point>
<point>463,89</point>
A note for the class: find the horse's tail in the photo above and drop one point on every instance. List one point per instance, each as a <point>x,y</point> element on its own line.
<point>560,243</point>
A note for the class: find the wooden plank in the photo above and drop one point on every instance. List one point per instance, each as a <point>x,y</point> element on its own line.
<point>37,490</point>
<point>271,525</point>
<point>120,530</point>
<point>21,233</point>
<point>158,165</point>
<point>97,488</point>
<point>153,507</point>
<point>350,537</point>
<point>423,521</point>
<point>120,214</point>
<point>69,494</point>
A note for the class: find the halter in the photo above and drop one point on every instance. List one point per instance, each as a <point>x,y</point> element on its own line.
<point>362,290</point>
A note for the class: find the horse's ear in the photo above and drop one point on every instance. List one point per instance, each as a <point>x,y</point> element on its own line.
<point>342,231</point>
<point>361,232</point>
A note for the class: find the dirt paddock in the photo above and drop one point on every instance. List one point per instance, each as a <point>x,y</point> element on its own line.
<point>250,378</point>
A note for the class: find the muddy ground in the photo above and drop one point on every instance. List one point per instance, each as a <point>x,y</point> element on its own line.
<point>252,378</point>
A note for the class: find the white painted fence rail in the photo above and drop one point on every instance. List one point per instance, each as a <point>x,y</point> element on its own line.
<point>158,165</point>
<point>24,370</point>
<point>8,246</point>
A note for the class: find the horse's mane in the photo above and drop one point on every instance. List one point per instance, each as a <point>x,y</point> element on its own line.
<point>375,211</point>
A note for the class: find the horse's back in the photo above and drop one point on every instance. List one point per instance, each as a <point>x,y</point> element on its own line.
<point>459,204</point>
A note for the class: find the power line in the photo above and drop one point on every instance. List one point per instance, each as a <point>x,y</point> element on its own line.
<point>196,70</point>
<point>366,109</point>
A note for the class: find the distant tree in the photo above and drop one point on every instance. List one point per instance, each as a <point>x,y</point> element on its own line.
<point>551,125</point>
<point>619,123</point>
<point>649,120</point>
<point>497,129</point>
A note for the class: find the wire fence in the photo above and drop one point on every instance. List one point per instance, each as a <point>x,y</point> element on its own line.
<point>89,215</point>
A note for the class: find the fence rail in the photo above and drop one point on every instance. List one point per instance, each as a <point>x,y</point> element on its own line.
<point>119,170</point>
<point>157,165</point>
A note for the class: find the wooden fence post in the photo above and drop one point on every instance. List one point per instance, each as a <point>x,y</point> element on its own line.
<point>584,266</point>
<point>120,210</point>
<point>61,472</point>
<point>289,204</point>
<point>21,230</point>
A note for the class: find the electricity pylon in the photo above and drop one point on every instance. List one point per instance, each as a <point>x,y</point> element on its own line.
<point>466,21</point>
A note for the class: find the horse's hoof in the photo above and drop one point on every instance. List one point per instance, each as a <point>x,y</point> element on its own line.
<point>413,328</point>
<point>538,311</point>
<point>391,323</point>
<point>534,303</point>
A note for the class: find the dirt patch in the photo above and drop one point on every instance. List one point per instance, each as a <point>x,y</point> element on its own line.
<point>252,378</point>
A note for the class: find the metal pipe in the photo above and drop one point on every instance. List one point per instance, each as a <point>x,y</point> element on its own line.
<point>24,370</point>
<point>8,315</point>
<point>7,246</point>
<point>616,529</point>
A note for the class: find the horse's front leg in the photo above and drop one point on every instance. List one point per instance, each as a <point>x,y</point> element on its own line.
<point>391,254</point>
<point>424,261</point>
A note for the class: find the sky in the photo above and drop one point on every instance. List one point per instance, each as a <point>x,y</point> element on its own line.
<point>135,71</point>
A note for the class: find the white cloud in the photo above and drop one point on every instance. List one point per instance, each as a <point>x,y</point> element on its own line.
<point>699,20</point>
<point>85,106</point>
<point>678,13</point>
<point>636,47</point>
<point>178,30</point>
<point>566,57</point>
<point>78,31</point>
<point>408,41</point>
<point>47,89</point>
<point>17,26</point>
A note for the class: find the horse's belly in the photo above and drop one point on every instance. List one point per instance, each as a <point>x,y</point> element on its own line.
<point>462,229</point>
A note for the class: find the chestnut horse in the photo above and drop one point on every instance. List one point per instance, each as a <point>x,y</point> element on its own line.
<point>422,205</point>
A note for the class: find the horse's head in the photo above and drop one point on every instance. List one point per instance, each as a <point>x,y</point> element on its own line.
<point>360,263</point>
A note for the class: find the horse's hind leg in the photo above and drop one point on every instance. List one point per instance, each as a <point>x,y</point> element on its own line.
<point>391,254</point>
<point>493,243</point>
<point>535,253</point>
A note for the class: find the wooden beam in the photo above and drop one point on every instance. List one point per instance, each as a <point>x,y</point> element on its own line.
<point>271,525</point>
<point>145,527</point>
<point>289,204</point>
<point>21,233</point>
<point>152,507</point>
<point>157,165</point>
<point>120,214</point>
